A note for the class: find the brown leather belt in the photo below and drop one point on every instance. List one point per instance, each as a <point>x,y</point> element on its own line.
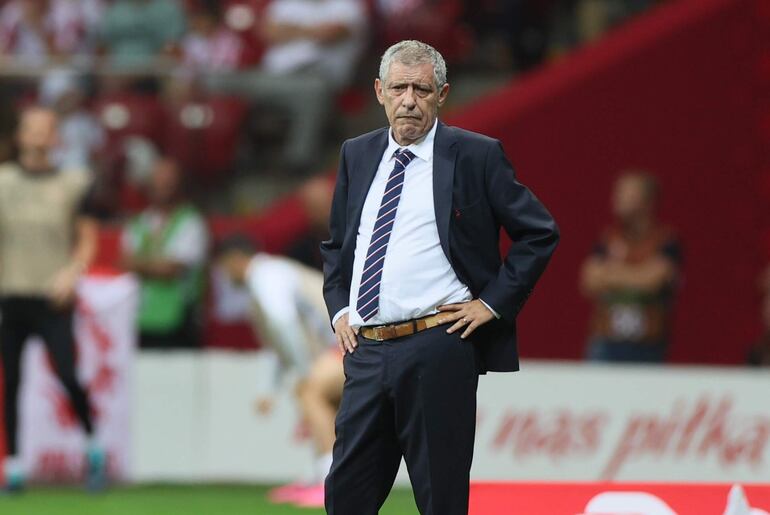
<point>381,333</point>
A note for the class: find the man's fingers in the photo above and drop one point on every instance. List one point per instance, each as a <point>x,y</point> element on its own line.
<point>349,339</point>
<point>457,326</point>
<point>352,335</point>
<point>450,307</point>
<point>345,343</point>
<point>468,330</point>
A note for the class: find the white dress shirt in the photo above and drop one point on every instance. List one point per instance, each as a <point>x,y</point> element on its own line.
<point>417,276</point>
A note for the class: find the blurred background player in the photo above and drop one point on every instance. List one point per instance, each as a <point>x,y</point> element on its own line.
<point>631,276</point>
<point>47,240</point>
<point>289,315</point>
<point>166,246</point>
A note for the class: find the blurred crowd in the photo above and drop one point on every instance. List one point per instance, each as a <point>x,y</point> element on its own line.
<point>238,87</point>
<point>162,101</point>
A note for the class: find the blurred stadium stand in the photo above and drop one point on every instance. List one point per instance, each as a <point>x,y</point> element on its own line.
<point>675,91</point>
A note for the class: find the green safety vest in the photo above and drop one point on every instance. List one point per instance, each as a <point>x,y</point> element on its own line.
<point>164,302</point>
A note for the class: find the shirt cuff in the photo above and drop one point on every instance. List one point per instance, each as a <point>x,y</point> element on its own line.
<point>497,315</point>
<point>341,312</point>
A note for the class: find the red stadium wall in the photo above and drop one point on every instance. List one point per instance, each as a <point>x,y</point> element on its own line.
<point>675,92</point>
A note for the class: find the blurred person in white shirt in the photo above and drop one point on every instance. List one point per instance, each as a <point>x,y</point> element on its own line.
<point>323,36</point>
<point>288,315</point>
<point>209,44</point>
<point>35,30</point>
<point>81,136</point>
<point>312,49</point>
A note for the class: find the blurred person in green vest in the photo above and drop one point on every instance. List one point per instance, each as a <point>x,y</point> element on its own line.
<point>166,246</point>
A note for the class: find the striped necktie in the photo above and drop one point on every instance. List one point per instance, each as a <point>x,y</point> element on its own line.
<point>368,303</point>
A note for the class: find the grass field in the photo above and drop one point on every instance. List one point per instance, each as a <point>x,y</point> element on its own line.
<point>170,500</point>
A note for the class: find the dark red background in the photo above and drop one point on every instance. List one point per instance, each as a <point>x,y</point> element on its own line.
<point>675,92</point>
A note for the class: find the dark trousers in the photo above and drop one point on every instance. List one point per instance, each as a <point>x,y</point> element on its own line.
<point>413,397</point>
<point>23,317</point>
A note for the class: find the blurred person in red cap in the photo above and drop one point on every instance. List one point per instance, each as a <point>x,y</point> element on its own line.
<point>289,315</point>
<point>48,238</point>
<point>631,276</point>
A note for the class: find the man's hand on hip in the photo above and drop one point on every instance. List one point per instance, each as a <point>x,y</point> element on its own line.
<point>467,314</point>
<point>346,335</point>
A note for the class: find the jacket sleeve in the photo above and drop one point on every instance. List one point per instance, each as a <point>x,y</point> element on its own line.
<point>336,289</point>
<point>530,226</point>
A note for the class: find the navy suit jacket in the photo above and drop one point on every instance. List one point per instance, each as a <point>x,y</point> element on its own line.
<point>475,194</point>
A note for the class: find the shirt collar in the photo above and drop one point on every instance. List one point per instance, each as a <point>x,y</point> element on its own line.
<point>423,149</point>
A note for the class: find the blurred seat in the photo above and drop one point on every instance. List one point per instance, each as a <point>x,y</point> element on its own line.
<point>439,24</point>
<point>203,135</point>
<point>130,114</point>
<point>243,17</point>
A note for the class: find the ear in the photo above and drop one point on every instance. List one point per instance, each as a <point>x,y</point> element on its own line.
<point>378,91</point>
<point>443,93</point>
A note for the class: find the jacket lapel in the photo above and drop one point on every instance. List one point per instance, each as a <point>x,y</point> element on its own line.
<point>444,154</point>
<point>366,165</point>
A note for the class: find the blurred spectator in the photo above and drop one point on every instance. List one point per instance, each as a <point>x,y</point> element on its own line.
<point>312,50</point>
<point>316,197</point>
<point>210,45</point>
<point>80,135</point>
<point>48,239</point>
<point>759,355</point>
<point>315,36</point>
<point>594,17</point>
<point>166,247</point>
<point>631,277</point>
<point>135,31</point>
<point>289,314</point>
<point>34,30</point>
<point>439,23</point>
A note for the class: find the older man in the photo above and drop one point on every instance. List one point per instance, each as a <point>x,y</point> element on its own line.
<point>420,299</point>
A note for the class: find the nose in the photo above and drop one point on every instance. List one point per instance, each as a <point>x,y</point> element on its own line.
<point>410,101</point>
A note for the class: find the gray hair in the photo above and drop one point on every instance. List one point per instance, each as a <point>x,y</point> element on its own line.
<point>411,52</point>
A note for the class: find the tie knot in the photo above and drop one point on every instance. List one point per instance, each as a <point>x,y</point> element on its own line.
<point>405,155</point>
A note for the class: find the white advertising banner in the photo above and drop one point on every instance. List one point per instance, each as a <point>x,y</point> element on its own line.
<point>580,422</point>
<point>52,443</point>
<point>194,421</point>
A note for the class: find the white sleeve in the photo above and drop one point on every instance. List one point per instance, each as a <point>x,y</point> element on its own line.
<point>273,289</point>
<point>190,243</point>
<point>349,12</point>
<point>339,314</point>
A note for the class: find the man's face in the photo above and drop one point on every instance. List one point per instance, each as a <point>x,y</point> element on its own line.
<point>411,100</point>
<point>164,182</point>
<point>630,198</point>
<point>234,264</point>
<point>37,136</point>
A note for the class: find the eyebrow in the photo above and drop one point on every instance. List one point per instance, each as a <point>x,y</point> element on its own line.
<point>420,85</point>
